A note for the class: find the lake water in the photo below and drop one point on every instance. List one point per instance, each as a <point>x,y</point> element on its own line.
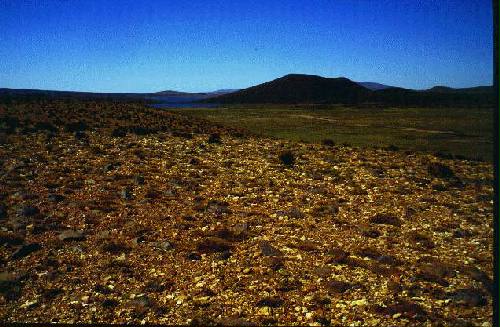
<point>171,105</point>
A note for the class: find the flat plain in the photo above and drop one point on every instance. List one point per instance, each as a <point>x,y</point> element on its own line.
<point>462,132</point>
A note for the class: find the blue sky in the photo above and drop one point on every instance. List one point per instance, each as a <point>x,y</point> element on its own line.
<point>147,46</point>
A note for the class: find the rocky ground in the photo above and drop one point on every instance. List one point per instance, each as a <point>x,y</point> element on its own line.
<point>118,213</point>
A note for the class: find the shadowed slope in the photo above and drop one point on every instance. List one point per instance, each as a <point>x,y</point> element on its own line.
<point>297,88</point>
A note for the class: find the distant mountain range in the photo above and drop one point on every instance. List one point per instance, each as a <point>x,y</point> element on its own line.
<point>162,96</point>
<point>469,90</point>
<point>312,89</point>
<point>289,89</point>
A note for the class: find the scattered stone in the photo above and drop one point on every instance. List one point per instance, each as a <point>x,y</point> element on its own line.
<point>233,234</point>
<point>479,276</point>
<point>165,245</point>
<point>235,321</point>
<point>110,303</point>
<point>337,256</point>
<point>11,238</point>
<point>307,246</point>
<point>295,213</point>
<point>138,240</point>
<point>289,284</point>
<point>141,305</point>
<point>71,235</point>
<point>10,287</point>
<point>213,244</point>
<point>461,233</point>
<point>369,253</point>
<point>337,287</point>
<point>322,271</point>
<point>268,250</point>
<point>428,274</point>
<point>369,232</point>
<point>386,219</point>
<point>440,170</point>
<point>437,267</point>
<point>194,256</point>
<point>102,235</point>
<point>468,297</point>
<point>26,250</point>
<point>405,308</point>
<point>102,289</point>
<point>330,210</point>
<point>111,166</point>
<point>275,263</point>
<point>51,293</point>
<point>55,197</point>
<point>240,230</point>
<point>272,302</point>
<point>323,321</point>
<point>440,187</point>
<point>29,304</point>
<point>126,193</point>
<point>410,212</point>
<point>152,194</point>
<point>224,255</point>
<point>422,240</point>
<point>139,180</point>
<point>115,247</point>
<point>389,260</point>
<point>28,211</point>
<point>218,207</point>
<point>3,211</point>
<point>158,286</point>
<point>7,279</point>
<point>202,321</point>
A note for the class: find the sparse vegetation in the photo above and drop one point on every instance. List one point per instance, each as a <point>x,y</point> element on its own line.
<point>463,133</point>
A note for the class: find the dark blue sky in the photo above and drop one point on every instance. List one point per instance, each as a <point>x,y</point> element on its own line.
<point>142,46</point>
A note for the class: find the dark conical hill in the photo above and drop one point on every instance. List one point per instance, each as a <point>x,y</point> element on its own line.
<point>298,88</point>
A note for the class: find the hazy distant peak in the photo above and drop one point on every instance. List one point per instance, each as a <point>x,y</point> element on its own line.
<point>374,86</point>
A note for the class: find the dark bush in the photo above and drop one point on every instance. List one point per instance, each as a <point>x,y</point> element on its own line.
<point>392,147</point>
<point>287,158</point>
<point>10,122</point>
<point>139,130</point>
<point>80,135</point>
<point>440,170</point>
<point>443,155</point>
<point>328,142</point>
<point>75,127</point>
<point>46,127</point>
<point>182,134</point>
<point>214,138</point>
<point>119,132</point>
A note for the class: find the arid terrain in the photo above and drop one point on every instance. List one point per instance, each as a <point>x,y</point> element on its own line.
<point>117,213</point>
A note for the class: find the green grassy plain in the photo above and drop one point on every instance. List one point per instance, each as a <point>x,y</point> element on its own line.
<point>466,132</point>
